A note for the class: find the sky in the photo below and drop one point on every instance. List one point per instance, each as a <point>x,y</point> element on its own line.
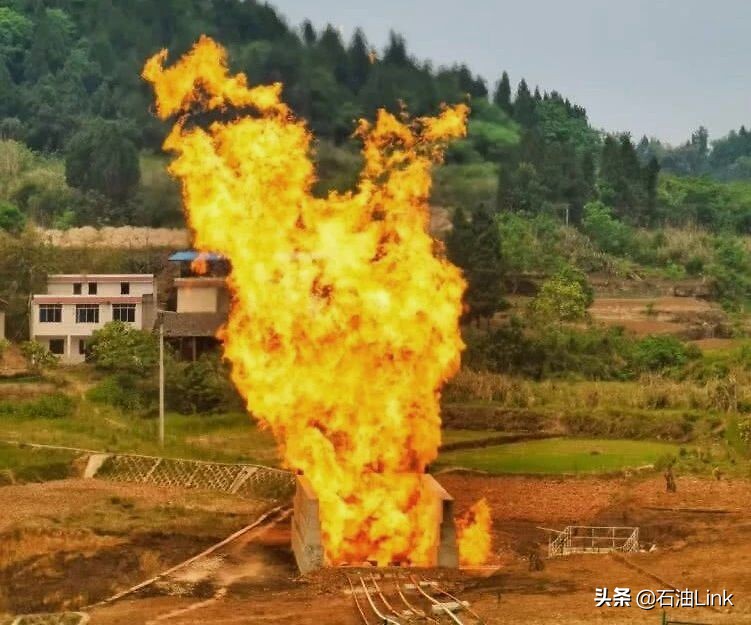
<point>655,67</point>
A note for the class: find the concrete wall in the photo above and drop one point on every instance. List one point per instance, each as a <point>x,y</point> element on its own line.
<point>307,543</point>
<point>190,299</point>
<point>71,354</point>
<point>200,294</point>
<point>447,551</point>
<point>107,285</point>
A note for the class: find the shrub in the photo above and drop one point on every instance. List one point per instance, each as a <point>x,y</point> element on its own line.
<point>200,386</point>
<point>38,356</point>
<point>606,231</point>
<point>11,219</point>
<point>661,352</point>
<point>125,391</point>
<point>120,347</point>
<point>55,406</point>
<point>563,298</point>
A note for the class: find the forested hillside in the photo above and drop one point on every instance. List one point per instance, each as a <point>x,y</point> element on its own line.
<point>80,146</point>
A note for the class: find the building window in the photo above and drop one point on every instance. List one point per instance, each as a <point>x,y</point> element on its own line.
<point>125,288</point>
<point>57,346</point>
<point>76,288</point>
<point>87,313</point>
<point>81,346</point>
<point>50,313</point>
<point>92,288</point>
<point>124,312</point>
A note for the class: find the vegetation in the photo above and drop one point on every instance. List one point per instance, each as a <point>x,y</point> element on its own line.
<point>539,201</point>
<point>559,455</point>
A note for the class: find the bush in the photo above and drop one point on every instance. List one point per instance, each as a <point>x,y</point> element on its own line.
<point>730,271</point>
<point>11,219</point>
<point>744,431</point>
<point>120,347</point>
<point>38,356</point>
<point>563,297</point>
<point>55,406</point>
<point>125,391</point>
<point>541,350</point>
<point>606,231</point>
<point>200,386</point>
<point>630,426</point>
<point>661,352</point>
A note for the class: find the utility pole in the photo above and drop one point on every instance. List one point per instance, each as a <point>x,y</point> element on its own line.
<point>161,379</point>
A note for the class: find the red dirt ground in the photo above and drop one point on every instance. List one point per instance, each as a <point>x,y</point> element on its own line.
<point>701,536</point>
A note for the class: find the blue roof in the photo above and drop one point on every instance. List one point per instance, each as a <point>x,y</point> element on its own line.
<point>191,255</point>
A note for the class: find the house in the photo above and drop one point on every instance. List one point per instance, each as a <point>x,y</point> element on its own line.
<point>198,304</point>
<point>75,305</point>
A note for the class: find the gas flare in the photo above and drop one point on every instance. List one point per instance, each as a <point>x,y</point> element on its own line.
<point>344,322</point>
<point>474,534</point>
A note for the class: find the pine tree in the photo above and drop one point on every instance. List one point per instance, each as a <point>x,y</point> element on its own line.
<point>524,106</point>
<point>358,61</point>
<point>651,178</point>
<point>332,52</point>
<point>485,268</point>
<point>309,34</point>
<point>502,95</point>
<point>459,240</point>
<point>396,51</point>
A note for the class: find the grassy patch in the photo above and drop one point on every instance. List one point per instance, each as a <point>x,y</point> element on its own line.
<point>230,437</point>
<point>559,455</point>
<point>28,464</point>
<point>451,436</point>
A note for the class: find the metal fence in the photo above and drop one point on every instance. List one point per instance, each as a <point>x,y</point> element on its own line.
<point>588,539</point>
<point>57,618</point>
<point>247,480</point>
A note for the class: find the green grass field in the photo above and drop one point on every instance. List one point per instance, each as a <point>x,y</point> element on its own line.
<point>230,437</point>
<point>33,465</point>
<point>461,436</point>
<point>558,455</point>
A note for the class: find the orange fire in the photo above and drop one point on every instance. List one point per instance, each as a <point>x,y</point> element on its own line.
<point>474,534</point>
<point>344,323</point>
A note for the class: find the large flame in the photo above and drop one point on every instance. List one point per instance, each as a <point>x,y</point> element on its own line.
<point>344,323</point>
<point>474,534</point>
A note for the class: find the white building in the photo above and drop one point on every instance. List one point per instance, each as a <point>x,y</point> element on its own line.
<point>198,304</point>
<point>77,304</point>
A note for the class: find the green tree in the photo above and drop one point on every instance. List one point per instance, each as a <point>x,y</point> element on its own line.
<point>610,234</point>
<point>484,270</point>
<point>560,299</point>
<point>102,157</point>
<point>120,347</point>
<point>358,60</point>
<point>53,36</point>
<point>16,31</point>
<point>309,35</point>
<point>502,95</point>
<point>459,241</point>
<point>396,51</point>
<point>11,219</point>
<point>525,107</point>
<point>201,386</point>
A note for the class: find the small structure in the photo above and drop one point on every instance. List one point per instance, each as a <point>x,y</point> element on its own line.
<point>3,306</point>
<point>587,539</point>
<point>307,542</point>
<point>198,303</point>
<point>75,305</point>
